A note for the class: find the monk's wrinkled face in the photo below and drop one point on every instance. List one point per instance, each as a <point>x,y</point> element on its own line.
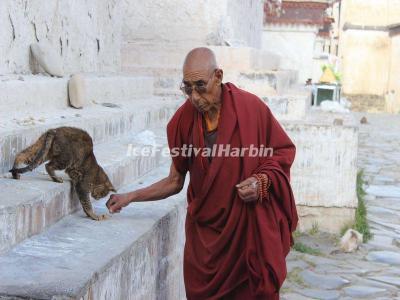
<point>202,87</point>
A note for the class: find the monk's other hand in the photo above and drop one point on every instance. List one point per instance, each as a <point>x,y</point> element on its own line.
<point>248,189</point>
<point>117,202</point>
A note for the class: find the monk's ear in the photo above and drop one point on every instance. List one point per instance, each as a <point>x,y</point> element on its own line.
<point>219,75</point>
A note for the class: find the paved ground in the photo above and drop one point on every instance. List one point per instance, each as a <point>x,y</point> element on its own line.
<point>373,272</point>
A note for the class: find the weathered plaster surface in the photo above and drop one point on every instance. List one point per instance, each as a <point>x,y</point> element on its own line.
<point>194,22</point>
<point>324,171</point>
<point>86,33</point>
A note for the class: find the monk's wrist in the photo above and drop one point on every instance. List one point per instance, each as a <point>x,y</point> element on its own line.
<point>133,196</point>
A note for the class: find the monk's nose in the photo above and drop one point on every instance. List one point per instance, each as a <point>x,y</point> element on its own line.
<point>195,97</point>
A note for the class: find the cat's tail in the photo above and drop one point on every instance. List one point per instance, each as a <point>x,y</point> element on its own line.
<point>34,155</point>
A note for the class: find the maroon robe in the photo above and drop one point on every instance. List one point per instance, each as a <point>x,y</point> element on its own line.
<point>235,249</point>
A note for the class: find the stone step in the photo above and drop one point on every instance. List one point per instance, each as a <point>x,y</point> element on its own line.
<point>28,206</point>
<point>155,55</point>
<point>253,69</point>
<point>265,82</point>
<point>136,254</point>
<point>167,80</point>
<point>289,106</point>
<point>262,83</point>
<point>24,93</point>
<point>102,123</point>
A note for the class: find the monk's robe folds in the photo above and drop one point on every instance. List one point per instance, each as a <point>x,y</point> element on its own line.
<point>230,243</point>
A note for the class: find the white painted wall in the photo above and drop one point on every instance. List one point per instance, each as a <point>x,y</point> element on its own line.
<point>194,22</point>
<point>247,21</point>
<point>88,33</point>
<point>75,27</point>
<point>295,45</point>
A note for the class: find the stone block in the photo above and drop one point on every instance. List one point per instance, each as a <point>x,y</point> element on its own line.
<point>32,204</point>
<point>34,92</point>
<point>47,57</point>
<point>77,91</point>
<point>325,168</point>
<point>136,254</point>
<point>289,106</point>
<point>328,219</point>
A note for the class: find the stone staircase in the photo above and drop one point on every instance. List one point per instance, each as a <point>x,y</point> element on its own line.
<point>133,255</point>
<point>117,111</point>
<point>251,69</point>
<point>48,248</point>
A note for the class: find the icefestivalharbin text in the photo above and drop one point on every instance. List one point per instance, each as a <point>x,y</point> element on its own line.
<point>217,150</point>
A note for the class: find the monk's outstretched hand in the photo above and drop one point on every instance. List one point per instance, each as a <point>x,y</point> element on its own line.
<point>117,202</point>
<point>248,189</point>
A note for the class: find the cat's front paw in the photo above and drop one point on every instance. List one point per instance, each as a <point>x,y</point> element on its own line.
<point>102,217</point>
<point>57,179</point>
<point>15,174</point>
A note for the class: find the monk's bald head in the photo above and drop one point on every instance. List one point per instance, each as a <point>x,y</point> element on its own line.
<point>200,60</point>
<point>202,79</point>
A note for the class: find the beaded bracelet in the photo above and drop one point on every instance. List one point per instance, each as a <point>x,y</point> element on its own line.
<point>259,184</point>
<point>264,184</point>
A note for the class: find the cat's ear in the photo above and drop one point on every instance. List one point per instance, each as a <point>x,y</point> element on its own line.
<point>97,189</point>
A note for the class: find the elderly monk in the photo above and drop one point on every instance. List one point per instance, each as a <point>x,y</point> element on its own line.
<point>241,211</point>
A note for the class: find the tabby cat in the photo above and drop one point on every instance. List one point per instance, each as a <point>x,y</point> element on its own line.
<point>69,149</point>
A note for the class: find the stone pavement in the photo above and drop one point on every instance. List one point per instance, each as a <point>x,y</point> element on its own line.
<point>373,272</point>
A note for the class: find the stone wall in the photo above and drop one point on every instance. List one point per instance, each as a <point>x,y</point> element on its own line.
<point>295,45</point>
<point>365,62</point>
<point>324,171</point>
<point>151,268</point>
<point>368,52</point>
<point>323,175</point>
<point>370,12</point>
<point>194,22</point>
<point>86,33</point>
<point>366,103</point>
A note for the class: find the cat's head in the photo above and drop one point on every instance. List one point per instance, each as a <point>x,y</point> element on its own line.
<point>102,185</point>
